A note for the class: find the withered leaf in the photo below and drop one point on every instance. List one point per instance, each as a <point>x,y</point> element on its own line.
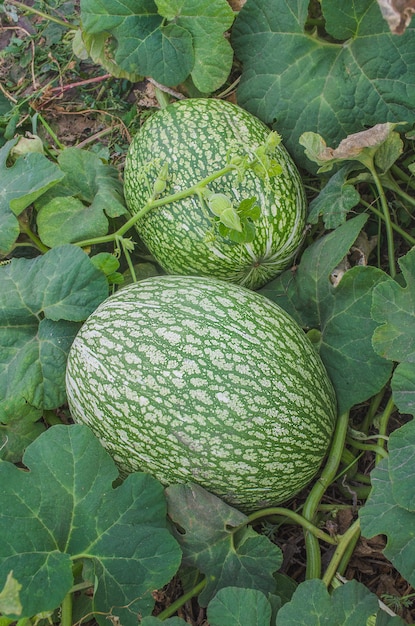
<point>397,13</point>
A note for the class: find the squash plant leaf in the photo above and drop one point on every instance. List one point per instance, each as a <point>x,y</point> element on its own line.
<point>40,314</point>
<point>349,605</point>
<point>394,309</point>
<point>334,201</point>
<point>21,183</point>
<point>168,41</point>
<point>79,207</point>
<point>341,313</point>
<point>65,509</point>
<point>209,542</point>
<point>18,430</point>
<point>235,606</point>
<point>299,82</point>
<point>390,508</point>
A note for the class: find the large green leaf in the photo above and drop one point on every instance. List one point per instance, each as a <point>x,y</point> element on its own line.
<point>390,508</point>
<point>64,509</point>
<point>43,302</point>
<point>341,313</point>
<point>168,41</point>
<point>20,185</point>
<point>303,83</point>
<point>207,537</point>
<point>394,309</point>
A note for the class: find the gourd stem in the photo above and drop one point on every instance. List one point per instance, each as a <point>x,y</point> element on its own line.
<point>350,537</point>
<point>295,517</point>
<point>388,220</point>
<point>313,500</point>
<point>154,204</point>
<point>359,445</point>
<point>395,227</point>
<point>66,612</point>
<point>171,610</point>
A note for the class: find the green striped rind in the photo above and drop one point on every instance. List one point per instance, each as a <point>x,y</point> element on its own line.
<point>195,137</point>
<point>197,379</point>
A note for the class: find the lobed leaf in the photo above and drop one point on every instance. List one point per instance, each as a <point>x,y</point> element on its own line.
<point>298,82</point>
<point>341,313</point>
<point>168,41</point>
<point>235,606</point>
<point>390,508</point>
<point>393,308</point>
<point>79,207</point>
<point>64,509</point>
<point>352,604</point>
<point>334,201</point>
<point>40,313</point>
<point>208,540</point>
<point>20,185</point>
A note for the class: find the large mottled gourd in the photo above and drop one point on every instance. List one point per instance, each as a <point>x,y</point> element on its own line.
<point>190,140</point>
<point>195,379</point>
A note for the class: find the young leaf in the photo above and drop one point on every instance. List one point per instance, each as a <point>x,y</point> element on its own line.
<point>307,85</point>
<point>390,508</point>
<point>394,309</point>
<point>342,313</point>
<point>209,542</point>
<point>235,606</point>
<point>44,301</point>
<point>79,207</point>
<point>64,509</point>
<point>20,185</point>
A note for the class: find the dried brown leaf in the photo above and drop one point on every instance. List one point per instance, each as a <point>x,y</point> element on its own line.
<point>397,13</point>
<point>353,144</point>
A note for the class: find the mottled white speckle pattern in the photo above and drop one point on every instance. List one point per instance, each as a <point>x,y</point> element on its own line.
<point>197,379</point>
<point>194,137</point>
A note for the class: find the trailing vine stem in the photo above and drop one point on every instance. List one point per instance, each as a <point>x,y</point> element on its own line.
<point>387,217</point>
<point>310,508</point>
<point>348,538</point>
<point>156,203</point>
<point>294,517</point>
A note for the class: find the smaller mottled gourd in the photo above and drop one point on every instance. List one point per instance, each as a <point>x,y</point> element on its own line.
<point>195,379</point>
<point>182,144</point>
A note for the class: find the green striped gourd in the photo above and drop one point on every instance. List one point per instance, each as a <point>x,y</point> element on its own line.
<point>195,379</point>
<point>191,139</point>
